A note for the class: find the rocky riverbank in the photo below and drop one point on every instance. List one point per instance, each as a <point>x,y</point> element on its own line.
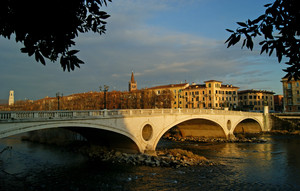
<point>165,158</point>
<point>238,139</point>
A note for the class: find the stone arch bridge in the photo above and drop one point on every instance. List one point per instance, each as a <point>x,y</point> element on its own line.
<point>138,130</point>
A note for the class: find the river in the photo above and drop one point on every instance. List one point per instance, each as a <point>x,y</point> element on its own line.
<point>273,165</point>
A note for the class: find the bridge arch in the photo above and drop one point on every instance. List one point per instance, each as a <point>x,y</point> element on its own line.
<point>195,126</point>
<point>129,142</point>
<point>248,125</point>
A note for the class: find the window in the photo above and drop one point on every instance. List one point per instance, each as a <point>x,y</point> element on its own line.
<point>250,97</point>
<point>209,85</point>
<point>289,86</point>
<point>245,97</point>
<point>209,92</point>
<point>241,97</point>
<point>255,97</point>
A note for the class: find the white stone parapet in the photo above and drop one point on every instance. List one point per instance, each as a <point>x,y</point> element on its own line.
<point>39,115</point>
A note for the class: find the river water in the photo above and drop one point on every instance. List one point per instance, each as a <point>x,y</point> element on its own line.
<point>274,165</point>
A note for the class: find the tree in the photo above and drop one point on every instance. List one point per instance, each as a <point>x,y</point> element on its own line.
<point>47,29</point>
<point>280,28</point>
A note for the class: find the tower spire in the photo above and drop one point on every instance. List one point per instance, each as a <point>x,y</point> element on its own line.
<point>132,84</point>
<point>132,78</point>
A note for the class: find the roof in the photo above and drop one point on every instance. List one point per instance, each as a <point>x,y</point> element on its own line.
<point>169,86</point>
<point>195,86</point>
<point>132,78</point>
<point>255,91</point>
<point>213,81</point>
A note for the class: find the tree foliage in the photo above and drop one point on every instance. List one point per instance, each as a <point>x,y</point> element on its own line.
<point>47,29</point>
<point>280,28</point>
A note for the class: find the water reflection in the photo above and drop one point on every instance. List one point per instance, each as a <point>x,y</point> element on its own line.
<point>274,165</point>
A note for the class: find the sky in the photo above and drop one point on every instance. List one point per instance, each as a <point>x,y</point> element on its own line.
<point>161,41</point>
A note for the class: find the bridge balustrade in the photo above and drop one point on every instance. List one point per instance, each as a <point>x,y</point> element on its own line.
<point>27,115</point>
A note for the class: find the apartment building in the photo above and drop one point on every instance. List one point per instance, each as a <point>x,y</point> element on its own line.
<point>210,95</point>
<point>291,95</point>
<point>176,91</point>
<point>255,100</point>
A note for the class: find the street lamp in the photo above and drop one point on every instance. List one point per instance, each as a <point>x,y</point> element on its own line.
<point>105,89</point>
<point>58,96</point>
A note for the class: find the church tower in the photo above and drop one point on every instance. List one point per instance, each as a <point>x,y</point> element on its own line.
<point>11,99</point>
<point>132,83</point>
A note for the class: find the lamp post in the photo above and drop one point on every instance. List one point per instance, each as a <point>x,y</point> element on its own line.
<point>58,96</point>
<point>105,89</point>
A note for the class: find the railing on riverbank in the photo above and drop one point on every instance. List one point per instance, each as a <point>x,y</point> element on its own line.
<point>35,115</point>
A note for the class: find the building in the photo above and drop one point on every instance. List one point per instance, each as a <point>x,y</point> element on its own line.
<point>278,103</point>
<point>211,95</point>
<point>176,91</point>
<point>255,100</point>
<point>132,86</point>
<point>11,99</point>
<point>291,95</point>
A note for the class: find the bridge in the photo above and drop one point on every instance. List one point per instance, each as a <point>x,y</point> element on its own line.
<point>140,129</point>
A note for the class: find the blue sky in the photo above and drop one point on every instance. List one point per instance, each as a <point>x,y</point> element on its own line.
<point>162,41</point>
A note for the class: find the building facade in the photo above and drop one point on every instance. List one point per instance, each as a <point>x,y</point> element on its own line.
<point>278,103</point>
<point>211,95</point>
<point>176,91</point>
<point>255,100</point>
<point>291,95</point>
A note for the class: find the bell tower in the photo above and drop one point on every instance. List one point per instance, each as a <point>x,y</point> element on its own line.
<point>132,84</point>
<point>11,99</point>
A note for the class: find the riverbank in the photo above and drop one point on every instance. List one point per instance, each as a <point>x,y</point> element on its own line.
<point>238,139</point>
<point>283,132</point>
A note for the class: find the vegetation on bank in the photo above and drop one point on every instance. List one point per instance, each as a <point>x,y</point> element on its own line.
<point>139,99</point>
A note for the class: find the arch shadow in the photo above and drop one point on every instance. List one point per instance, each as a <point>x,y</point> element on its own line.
<point>195,127</point>
<point>248,125</point>
<point>104,135</point>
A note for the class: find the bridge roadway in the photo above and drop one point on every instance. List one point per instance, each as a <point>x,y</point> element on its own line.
<point>136,130</point>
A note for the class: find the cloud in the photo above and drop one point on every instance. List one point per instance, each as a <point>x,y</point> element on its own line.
<point>157,54</point>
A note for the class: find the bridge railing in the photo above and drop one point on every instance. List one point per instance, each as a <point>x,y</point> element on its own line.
<point>28,115</point>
